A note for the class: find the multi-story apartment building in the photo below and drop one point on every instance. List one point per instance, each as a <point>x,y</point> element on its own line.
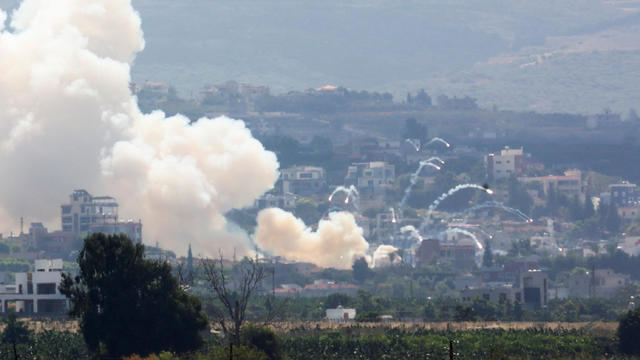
<point>85,214</point>
<point>624,194</point>
<point>303,180</point>
<point>510,162</point>
<point>371,177</point>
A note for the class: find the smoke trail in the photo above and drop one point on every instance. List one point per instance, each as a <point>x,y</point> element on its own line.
<point>413,143</point>
<point>414,179</point>
<point>411,229</point>
<point>351,193</point>
<point>66,110</point>
<point>452,191</point>
<point>467,233</point>
<point>437,139</point>
<point>498,205</point>
<point>435,158</point>
<point>386,255</point>
<point>336,243</point>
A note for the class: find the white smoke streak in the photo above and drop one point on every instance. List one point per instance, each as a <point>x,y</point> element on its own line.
<point>386,255</point>
<point>437,139</point>
<point>350,192</point>
<point>68,120</point>
<point>498,205</point>
<point>336,243</point>
<point>414,178</point>
<point>467,233</point>
<point>411,229</point>
<point>413,143</point>
<point>452,191</point>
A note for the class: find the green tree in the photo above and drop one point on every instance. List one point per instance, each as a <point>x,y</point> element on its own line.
<point>464,313</point>
<point>415,130</point>
<point>15,333</point>
<point>613,221</point>
<point>628,330</point>
<point>588,211</point>
<point>263,339</point>
<point>519,198</point>
<point>361,271</point>
<point>576,209</point>
<point>487,258</point>
<point>128,304</point>
<point>335,300</point>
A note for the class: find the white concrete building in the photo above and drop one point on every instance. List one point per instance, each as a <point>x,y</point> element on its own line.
<point>341,314</point>
<point>36,292</point>
<point>303,180</point>
<point>510,162</point>
<point>372,177</point>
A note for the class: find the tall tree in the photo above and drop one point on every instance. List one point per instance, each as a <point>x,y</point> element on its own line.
<point>15,333</point>
<point>519,198</point>
<point>628,330</point>
<point>487,258</point>
<point>613,221</point>
<point>415,130</point>
<point>128,304</point>
<point>361,271</point>
<point>589,211</point>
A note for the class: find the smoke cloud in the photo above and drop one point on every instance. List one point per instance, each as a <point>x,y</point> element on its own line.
<point>68,120</point>
<point>336,243</point>
<point>386,255</point>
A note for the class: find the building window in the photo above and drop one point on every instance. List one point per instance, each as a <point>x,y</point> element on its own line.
<point>67,220</point>
<point>46,288</point>
<point>66,209</point>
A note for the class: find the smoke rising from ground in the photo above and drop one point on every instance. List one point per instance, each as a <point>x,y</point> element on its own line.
<point>336,243</point>
<point>386,255</point>
<point>68,120</point>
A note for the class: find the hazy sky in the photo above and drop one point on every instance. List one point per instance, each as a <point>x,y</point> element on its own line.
<point>574,55</point>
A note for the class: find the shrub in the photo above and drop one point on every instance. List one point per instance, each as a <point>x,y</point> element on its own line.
<point>629,332</point>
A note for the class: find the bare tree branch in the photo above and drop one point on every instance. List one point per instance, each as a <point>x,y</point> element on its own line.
<point>234,302</point>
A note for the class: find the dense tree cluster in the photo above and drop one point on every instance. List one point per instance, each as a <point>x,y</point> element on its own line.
<point>128,304</point>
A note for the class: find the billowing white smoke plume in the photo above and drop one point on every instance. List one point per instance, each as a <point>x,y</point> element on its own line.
<point>336,243</point>
<point>386,255</point>
<point>68,120</point>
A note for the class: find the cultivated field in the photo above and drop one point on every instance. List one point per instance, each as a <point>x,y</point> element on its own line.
<point>598,328</point>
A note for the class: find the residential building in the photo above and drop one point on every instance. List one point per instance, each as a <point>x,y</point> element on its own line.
<point>628,213</point>
<point>86,214</point>
<point>495,294</point>
<point>624,194</point>
<point>284,201</point>
<point>341,314</point>
<point>462,257</point>
<point>371,177</point>
<point>510,162</point>
<point>303,180</point>
<point>570,183</point>
<point>36,292</point>
<point>326,287</point>
<point>601,283</point>
<point>534,287</point>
